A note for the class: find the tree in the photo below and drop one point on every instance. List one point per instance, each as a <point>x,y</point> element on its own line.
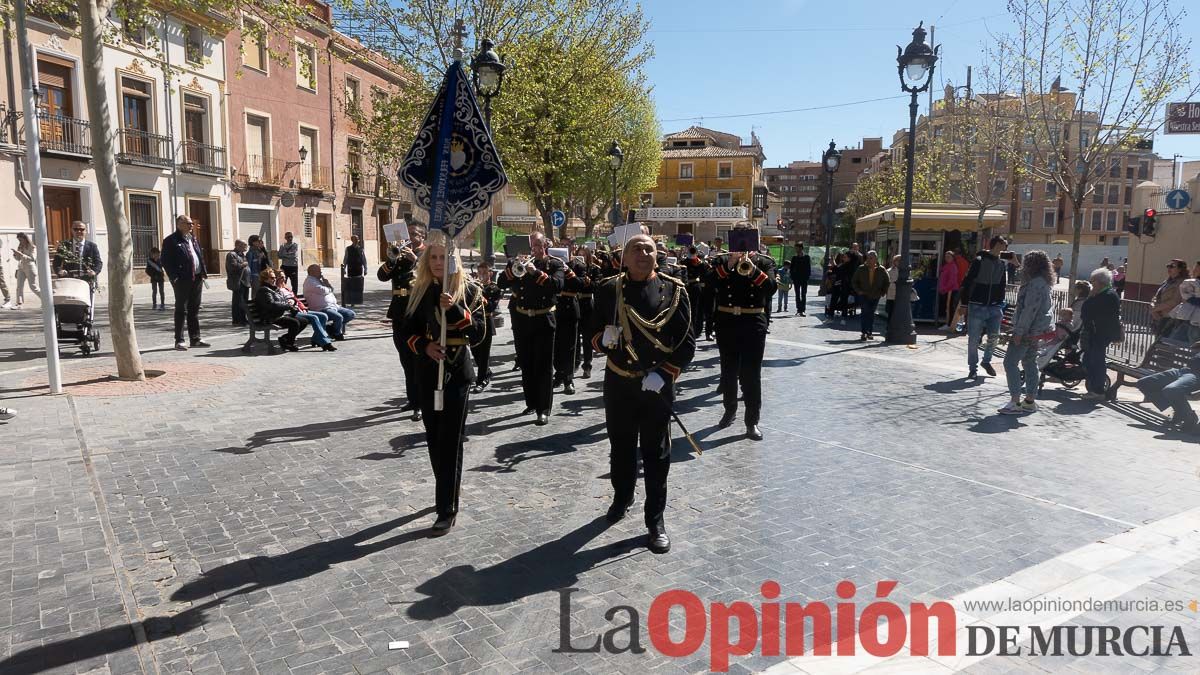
<point>1125,57</point>
<point>931,183</point>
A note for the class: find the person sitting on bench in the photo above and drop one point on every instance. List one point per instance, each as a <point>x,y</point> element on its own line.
<point>1171,389</point>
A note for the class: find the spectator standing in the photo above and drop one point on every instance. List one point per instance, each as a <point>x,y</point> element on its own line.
<point>1119,280</point>
<point>183,261</point>
<point>1058,265</point>
<point>289,259</point>
<point>319,296</point>
<point>25,255</point>
<point>354,270</point>
<point>1101,327</point>
<point>870,283</point>
<point>983,293</point>
<point>948,285</point>
<point>801,269</point>
<point>273,307</point>
<point>783,288</point>
<point>1032,321</point>
<point>1167,297</point>
<point>257,260</point>
<point>154,270</point>
<point>237,280</point>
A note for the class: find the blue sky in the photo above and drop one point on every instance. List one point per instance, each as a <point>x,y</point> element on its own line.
<point>730,57</point>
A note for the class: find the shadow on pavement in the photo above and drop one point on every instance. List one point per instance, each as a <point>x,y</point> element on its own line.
<point>386,413</point>
<point>549,567</point>
<point>953,386</point>
<point>509,455</point>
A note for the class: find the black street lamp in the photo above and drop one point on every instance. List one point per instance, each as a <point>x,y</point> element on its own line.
<point>487,74</point>
<point>615,159</point>
<point>915,67</point>
<point>831,159</point>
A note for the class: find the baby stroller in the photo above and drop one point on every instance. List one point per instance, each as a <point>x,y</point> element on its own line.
<point>1060,360</point>
<point>74,310</point>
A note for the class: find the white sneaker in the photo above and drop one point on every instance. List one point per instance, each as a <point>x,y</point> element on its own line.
<point>181,346</point>
<point>7,413</point>
<point>1028,406</point>
<point>1011,408</point>
<point>6,305</point>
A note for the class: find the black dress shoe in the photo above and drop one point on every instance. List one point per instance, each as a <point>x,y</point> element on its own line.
<point>329,348</point>
<point>442,526</point>
<point>726,419</point>
<point>569,389</point>
<point>542,419</point>
<point>618,510</point>
<point>527,411</point>
<point>409,407</point>
<point>987,368</point>
<point>416,416</point>
<point>587,373</point>
<point>753,432</point>
<point>658,542</point>
<point>339,338</point>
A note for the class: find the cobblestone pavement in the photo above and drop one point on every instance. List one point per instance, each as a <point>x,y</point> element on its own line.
<point>276,521</point>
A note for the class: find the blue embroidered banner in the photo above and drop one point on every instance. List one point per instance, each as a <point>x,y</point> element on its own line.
<point>453,168</point>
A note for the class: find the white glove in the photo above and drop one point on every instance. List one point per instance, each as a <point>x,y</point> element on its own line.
<point>611,338</point>
<point>653,382</point>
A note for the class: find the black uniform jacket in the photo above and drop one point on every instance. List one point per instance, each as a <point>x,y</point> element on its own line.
<point>654,317</point>
<point>464,327</point>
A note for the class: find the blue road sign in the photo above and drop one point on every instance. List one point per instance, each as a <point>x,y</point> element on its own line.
<point>1178,199</point>
<point>558,219</point>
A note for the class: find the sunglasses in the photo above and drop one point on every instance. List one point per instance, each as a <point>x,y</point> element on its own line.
<point>81,229</point>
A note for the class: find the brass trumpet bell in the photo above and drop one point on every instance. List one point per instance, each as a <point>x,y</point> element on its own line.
<point>745,266</point>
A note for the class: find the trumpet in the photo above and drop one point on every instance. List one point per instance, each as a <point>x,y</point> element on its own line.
<point>522,266</point>
<point>745,266</point>
<point>396,250</point>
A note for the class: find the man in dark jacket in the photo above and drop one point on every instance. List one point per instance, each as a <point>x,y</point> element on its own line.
<point>1101,326</point>
<point>801,271</point>
<point>983,292</point>
<point>870,283</point>
<point>183,261</point>
<point>1172,389</point>
<point>78,257</point>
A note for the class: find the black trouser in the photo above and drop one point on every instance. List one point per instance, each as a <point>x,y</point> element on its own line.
<point>584,342</point>
<point>512,321</point>
<point>638,420</point>
<point>535,352</point>
<point>482,352</point>
<point>801,295</point>
<point>696,300</point>
<point>291,271</point>
<point>240,298</point>
<point>443,434</point>
<point>566,337</point>
<point>158,293</point>
<point>867,320</point>
<point>187,303</point>
<point>293,326</point>
<point>741,341</point>
<point>708,300</point>
<point>407,359</point>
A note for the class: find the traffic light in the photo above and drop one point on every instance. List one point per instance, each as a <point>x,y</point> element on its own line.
<point>1133,225</point>
<point>1149,222</point>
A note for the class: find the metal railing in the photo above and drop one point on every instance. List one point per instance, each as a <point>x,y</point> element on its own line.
<point>260,170</point>
<point>203,158</point>
<point>313,179</point>
<point>65,134</point>
<point>145,148</point>
<point>1135,319</point>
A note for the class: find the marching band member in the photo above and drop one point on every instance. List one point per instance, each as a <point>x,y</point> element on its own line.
<point>460,305</point>
<point>591,275</point>
<point>483,351</point>
<point>697,269</point>
<point>566,333</point>
<point>648,345</point>
<point>399,269</point>
<point>538,280</point>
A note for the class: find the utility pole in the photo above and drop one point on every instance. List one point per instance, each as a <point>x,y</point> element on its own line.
<point>37,204</point>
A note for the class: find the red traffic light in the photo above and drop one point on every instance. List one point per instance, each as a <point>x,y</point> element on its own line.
<point>1150,213</point>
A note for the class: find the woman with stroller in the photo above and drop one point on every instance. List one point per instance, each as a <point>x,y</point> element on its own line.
<point>274,308</point>
<point>1031,323</point>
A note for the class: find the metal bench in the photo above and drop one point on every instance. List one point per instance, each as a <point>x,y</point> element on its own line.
<point>256,325</point>
<point>1163,355</point>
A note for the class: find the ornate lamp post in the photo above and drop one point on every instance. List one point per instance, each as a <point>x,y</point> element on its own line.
<point>831,159</point>
<point>615,159</point>
<point>487,74</point>
<point>915,67</point>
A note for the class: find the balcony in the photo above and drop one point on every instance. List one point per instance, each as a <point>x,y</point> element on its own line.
<point>261,171</point>
<point>362,185</point>
<point>142,148</point>
<point>311,178</point>
<point>203,159</point>
<point>65,135</point>
<point>710,214</point>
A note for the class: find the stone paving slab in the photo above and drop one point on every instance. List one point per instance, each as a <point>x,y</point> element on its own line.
<point>276,521</point>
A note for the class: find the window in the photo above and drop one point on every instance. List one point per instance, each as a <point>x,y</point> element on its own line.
<point>379,99</point>
<point>354,162</point>
<point>352,95</point>
<point>646,198</point>
<point>1027,192</point>
<point>1001,164</point>
<point>1051,190</point>
<point>685,170</point>
<point>1143,170</point>
<point>1129,172</point>
<point>724,169</point>
<point>1049,219</point>
<point>195,131</point>
<point>678,144</point>
<point>57,81</point>
<point>134,31</point>
<point>999,188</point>
<point>1084,139</point>
<point>685,199</point>
<point>1098,194</point>
<point>1114,169</point>
<point>1110,224</point>
<point>306,66</point>
<point>356,223</point>
<point>724,199</point>
<point>135,104</point>
<point>1128,195</point>
<point>1097,219</point>
<point>1026,222</point>
<point>194,48</point>
<point>696,144</point>
<point>310,162</point>
<point>258,147</point>
<point>254,46</point>
<point>143,225</point>
<point>1114,194</point>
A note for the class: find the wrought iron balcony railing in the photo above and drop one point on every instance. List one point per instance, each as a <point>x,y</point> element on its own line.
<point>144,148</point>
<point>203,158</point>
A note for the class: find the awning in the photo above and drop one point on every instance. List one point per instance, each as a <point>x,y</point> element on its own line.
<point>932,218</point>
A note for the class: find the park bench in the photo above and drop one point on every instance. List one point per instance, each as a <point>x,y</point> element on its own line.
<point>1163,355</point>
<point>256,324</point>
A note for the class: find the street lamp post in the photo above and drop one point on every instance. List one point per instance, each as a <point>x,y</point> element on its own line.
<point>915,66</point>
<point>487,73</point>
<point>831,159</point>
<point>615,159</point>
